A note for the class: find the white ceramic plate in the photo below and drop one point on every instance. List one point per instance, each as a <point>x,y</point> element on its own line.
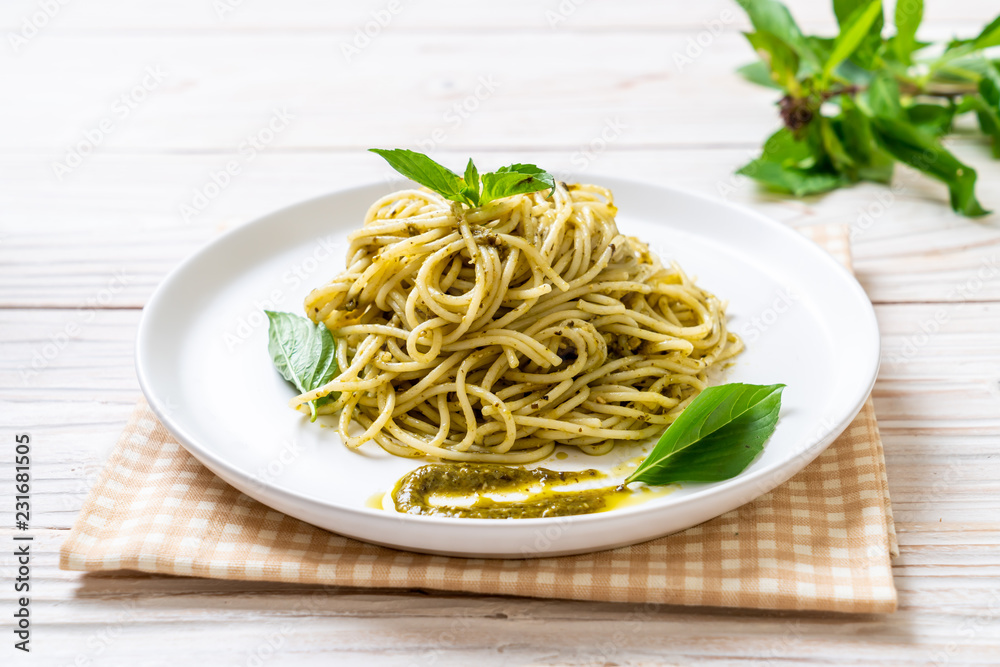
<point>203,365</point>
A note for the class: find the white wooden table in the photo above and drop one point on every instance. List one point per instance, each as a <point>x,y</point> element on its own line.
<point>141,103</point>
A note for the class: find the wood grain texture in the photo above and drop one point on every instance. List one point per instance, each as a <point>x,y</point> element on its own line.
<point>79,255</point>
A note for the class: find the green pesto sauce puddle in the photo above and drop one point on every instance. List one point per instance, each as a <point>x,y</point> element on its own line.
<point>540,488</point>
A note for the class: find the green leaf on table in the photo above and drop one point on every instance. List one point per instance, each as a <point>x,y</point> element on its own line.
<point>517,179</point>
<point>758,72</point>
<point>957,44</point>
<point>834,147</point>
<point>853,73</point>
<point>791,165</point>
<point>784,148</point>
<point>773,17</point>
<point>968,68</point>
<point>989,123</point>
<point>967,103</point>
<point>821,46</point>
<point>873,164</point>
<point>987,105</point>
<point>860,35</point>
<point>891,55</point>
<point>923,152</point>
<point>989,85</point>
<point>304,353</point>
<point>799,182</point>
<point>933,118</point>
<point>716,437</point>
<point>780,58</point>
<point>990,36</point>
<point>909,14</point>
<point>883,96</point>
<point>857,30</point>
<point>858,103</point>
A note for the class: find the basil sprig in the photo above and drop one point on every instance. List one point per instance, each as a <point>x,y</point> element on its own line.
<point>304,353</point>
<point>472,190</point>
<point>715,438</point>
<point>857,103</point>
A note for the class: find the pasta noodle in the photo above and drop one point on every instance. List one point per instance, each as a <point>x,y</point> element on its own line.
<point>496,333</point>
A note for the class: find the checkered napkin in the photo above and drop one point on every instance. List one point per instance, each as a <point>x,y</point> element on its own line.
<point>821,541</point>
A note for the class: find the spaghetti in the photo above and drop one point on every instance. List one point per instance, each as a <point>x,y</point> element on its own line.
<point>493,334</point>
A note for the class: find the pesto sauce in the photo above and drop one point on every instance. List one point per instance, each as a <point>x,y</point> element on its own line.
<point>413,492</point>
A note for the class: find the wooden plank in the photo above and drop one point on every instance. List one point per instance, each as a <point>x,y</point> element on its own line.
<point>501,98</point>
<point>177,94</point>
<point>117,617</point>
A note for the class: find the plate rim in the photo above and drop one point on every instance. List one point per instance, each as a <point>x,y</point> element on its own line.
<point>736,484</point>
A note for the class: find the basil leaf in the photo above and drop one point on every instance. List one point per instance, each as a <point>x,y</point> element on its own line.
<point>869,38</point>
<point>759,73</point>
<point>470,188</point>
<point>988,105</point>
<point>909,14</point>
<point>919,150</point>
<point>989,123</point>
<point>990,36</point>
<point>425,171</point>
<point>517,179</point>
<point>779,57</point>
<point>852,32</point>
<point>966,104</point>
<point>852,72</point>
<point>833,146</point>
<point>879,170</point>
<point>304,353</point>
<point>884,96</point>
<point>528,169</point>
<point>874,164</point>
<point>774,17</point>
<point>933,118</point>
<point>716,437</point>
<point>799,182</point>
<point>790,165</point>
<point>988,116</point>
<point>782,147</point>
<point>821,46</point>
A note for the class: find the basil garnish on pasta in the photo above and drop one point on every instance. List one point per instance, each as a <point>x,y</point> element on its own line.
<point>493,334</point>
<point>489,335</point>
<point>517,179</point>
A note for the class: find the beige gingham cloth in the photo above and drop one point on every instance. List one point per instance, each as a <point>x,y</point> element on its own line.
<point>821,541</point>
